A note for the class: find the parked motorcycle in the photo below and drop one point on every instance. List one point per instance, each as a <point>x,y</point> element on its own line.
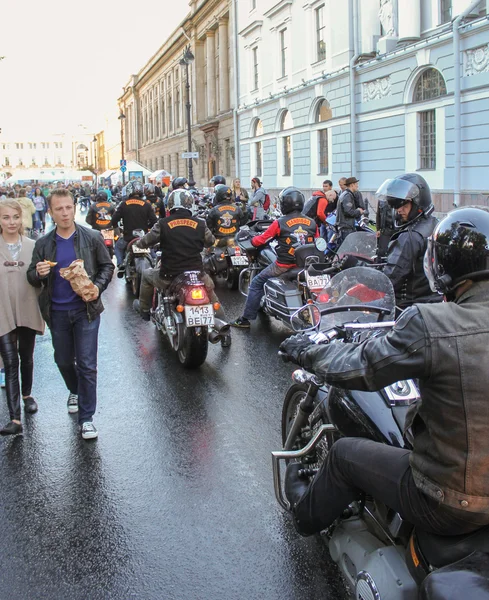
<point>226,262</point>
<point>380,555</point>
<point>185,314</point>
<point>109,239</point>
<point>135,262</point>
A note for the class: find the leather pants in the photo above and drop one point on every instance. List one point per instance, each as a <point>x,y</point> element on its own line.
<point>18,343</point>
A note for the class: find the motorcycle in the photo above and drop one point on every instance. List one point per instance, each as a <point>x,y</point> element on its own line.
<point>380,555</point>
<point>84,203</point>
<point>135,262</point>
<point>226,262</point>
<point>185,314</point>
<point>109,239</point>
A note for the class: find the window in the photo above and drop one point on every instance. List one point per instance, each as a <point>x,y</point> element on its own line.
<point>46,161</point>
<point>286,121</point>
<point>258,128</point>
<point>446,11</point>
<point>169,163</point>
<point>320,34</point>
<point>430,85</point>
<point>258,158</point>
<point>287,155</point>
<point>58,162</point>
<point>283,53</point>
<point>324,112</point>
<point>60,145</point>
<point>227,156</point>
<point>163,119</point>
<point>157,122</point>
<point>323,152</point>
<point>253,4</point>
<point>56,145</point>
<point>170,114</point>
<point>255,68</point>
<point>7,161</point>
<point>427,140</point>
<point>19,146</point>
<point>177,108</point>
<point>482,8</point>
<point>33,161</point>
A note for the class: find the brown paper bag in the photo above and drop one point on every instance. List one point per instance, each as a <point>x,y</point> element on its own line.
<point>79,280</point>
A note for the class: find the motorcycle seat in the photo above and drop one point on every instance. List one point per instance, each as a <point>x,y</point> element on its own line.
<point>291,274</point>
<point>440,550</point>
<point>467,578</point>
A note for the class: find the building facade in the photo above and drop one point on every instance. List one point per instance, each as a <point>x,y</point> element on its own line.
<point>154,101</point>
<point>365,88</point>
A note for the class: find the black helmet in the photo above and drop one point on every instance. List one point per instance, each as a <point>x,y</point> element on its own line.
<point>218,179</point>
<point>458,249</point>
<point>179,182</point>
<point>149,190</point>
<point>181,199</point>
<point>134,189</point>
<point>409,187</point>
<point>291,199</point>
<point>223,193</point>
<point>101,197</point>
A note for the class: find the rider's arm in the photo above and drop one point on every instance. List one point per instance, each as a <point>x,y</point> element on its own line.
<point>117,215</point>
<point>90,219</point>
<point>151,238</point>
<point>403,353</point>
<point>349,208</point>
<point>402,257</point>
<point>209,238</point>
<point>270,233</point>
<point>211,219</point>
<point>152,218</point>
<point>321,211</point>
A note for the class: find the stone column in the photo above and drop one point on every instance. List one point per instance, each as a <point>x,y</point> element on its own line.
<point>211,74</point>
<point>409,20</point>
<point>223,66</point>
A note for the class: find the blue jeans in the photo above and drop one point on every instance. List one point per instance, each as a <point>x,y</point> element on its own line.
<point>255,291</point>
<point>120,250</point>
<point>75,343</point>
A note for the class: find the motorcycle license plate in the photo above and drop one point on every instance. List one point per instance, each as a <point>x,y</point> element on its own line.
<point>239,260</point>
<point>317,282</point>
<point>199,316</point>
<point>108,234</point>
<point>140,250</point>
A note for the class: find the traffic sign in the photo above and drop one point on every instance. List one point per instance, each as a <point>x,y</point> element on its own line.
<point>123,163</point>
<point>190,155</point>
<point>123,169</point>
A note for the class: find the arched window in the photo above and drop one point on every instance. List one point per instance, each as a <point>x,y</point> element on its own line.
<point>286,121</point>
<point>430,85</point>
<point>258,128</point>
<point>323,112</point>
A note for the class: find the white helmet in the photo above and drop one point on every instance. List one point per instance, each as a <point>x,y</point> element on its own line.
<point>181,199</point>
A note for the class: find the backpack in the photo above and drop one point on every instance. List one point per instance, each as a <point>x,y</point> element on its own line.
<point>266,204</point>
<point>311,207</point>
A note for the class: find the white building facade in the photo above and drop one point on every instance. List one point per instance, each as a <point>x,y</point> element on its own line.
<point>365,88</point>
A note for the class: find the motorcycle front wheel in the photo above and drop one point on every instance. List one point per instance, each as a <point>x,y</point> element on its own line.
<point>193,351</point>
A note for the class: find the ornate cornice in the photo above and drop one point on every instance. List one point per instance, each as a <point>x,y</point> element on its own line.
<point>376,89</point>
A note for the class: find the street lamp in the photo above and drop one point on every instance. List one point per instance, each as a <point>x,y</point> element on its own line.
<point>122,116</point>
<point>187,58</point>
<point>95,160</point>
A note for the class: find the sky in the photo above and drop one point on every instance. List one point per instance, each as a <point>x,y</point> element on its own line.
<point>66,62</point>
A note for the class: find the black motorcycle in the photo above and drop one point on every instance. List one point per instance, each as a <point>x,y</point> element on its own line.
<point>136,261</point>
<point>381,555</point>
<point>226,262</point>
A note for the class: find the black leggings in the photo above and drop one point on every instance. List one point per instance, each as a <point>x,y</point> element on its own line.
<point>17,343</point>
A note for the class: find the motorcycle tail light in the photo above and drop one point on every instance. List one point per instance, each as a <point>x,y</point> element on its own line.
<point>197,294</point>
<point>180,308</point>
<point>216,306</point>
<point>223,255</point>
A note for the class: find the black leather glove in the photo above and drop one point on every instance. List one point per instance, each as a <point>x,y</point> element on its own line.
<point>243,235</point>
<point>295,346</point>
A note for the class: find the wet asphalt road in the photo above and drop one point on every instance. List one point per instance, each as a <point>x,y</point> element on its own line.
<point>175,499</point>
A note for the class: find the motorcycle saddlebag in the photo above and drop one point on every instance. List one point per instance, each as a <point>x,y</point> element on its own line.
<point>282,296</point>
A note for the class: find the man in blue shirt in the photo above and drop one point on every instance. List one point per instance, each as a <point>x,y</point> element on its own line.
<point>74,321</point>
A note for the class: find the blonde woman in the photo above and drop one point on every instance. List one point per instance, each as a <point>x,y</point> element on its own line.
<point>20,317</point>
<point>28,210</point>
<point>239,193</point>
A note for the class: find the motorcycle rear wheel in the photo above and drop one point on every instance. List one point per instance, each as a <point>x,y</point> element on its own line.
<point>232,279</point>
<point>194,348</point>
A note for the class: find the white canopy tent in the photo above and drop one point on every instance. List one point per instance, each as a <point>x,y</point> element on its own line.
<point>159,175</point>
<point>50,174</point>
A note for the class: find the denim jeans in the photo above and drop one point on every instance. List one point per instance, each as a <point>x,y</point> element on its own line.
<point>255,291</point>
<point>120,250</point>
<point>356,465</point>
<point>75,342</point>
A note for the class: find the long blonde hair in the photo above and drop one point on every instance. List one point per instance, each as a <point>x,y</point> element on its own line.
<point>11,203</point>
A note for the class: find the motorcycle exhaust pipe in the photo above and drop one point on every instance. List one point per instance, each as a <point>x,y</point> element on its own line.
<point>120,274</point>
<point>221,328</point>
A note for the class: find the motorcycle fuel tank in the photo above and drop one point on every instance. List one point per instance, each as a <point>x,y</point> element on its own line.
<point>364,414</point>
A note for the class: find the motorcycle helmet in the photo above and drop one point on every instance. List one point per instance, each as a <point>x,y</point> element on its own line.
<point>217,179</point>
<point>409,187</point>
<point>134,189</point>
<point>291,199</point>
<point>458,249</point>
<point>149,190</point>
<point>223,193</point>
<point>101,197</point>
<point>179,182</point>
<point>180,199</point>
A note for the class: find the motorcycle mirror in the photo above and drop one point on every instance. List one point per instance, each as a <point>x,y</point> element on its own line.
<point>321,244</point>
<point>306,318</point>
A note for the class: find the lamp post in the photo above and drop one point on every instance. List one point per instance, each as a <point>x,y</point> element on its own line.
<point>187,58</point>
<point>122,116</point>
<point>95,160</point>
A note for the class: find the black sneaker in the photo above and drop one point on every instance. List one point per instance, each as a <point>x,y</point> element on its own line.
<point>241,323</point>
<point>137,307</point>
<point>30,405</point>
<point>11,429</point>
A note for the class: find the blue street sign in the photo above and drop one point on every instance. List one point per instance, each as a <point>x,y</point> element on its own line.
<point>123,169</point>
<point>123,163</point>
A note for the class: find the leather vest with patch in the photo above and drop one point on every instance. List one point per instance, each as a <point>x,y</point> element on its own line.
<point>295,229</point>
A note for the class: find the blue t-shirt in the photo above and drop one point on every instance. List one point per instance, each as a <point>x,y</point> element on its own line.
<point>64,298</point>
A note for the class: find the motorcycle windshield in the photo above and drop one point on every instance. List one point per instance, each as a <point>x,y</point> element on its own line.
<point>356,286</point>
<point>361,244</point>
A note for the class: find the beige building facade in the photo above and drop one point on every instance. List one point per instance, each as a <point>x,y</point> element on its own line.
<point>154,101</point>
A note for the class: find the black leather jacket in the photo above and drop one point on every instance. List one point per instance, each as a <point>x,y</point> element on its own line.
<point>89,246</point>
<point>348,211</point>
<point>446,347</point>
<point>405,263</point>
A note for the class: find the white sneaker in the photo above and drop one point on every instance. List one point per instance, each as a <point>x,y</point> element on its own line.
<point>88,431</point>
<point>72,404</point>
